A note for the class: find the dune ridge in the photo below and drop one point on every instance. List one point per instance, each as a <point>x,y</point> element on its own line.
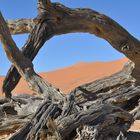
<point>68,78</point>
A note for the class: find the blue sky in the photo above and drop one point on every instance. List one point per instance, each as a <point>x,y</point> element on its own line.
<point>65,50</point>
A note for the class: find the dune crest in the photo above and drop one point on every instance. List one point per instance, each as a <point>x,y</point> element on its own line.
<point>68,78</point>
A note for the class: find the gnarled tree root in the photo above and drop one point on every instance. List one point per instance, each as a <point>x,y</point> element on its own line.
<point>49,121</point>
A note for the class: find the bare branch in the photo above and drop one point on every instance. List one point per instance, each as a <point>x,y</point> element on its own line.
<point>20,26</point>
<point>68,20</point>
<point>90,105</point>
<point>43,5</point>
<point>41,33</point>
<point>87,20</point>
<point>62,20</point>
<point>23,64</point>
<point>12,51</point>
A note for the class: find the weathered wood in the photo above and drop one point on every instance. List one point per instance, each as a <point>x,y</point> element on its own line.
<point>21,26</point>
<point>109,89</point>
<point>24,65</point>
<point>105,119</point>
<point>121,94</point>
<point>87,104</point>
<point>39,35</point>
<point>102,118</point>
<point>62,20</point>
<point>102,106</point>
<point>17,114</point>
<point>32,129</point>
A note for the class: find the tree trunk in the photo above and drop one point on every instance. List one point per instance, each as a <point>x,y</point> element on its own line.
<point>91,109</point>
<point>24,65</point>
<point>98,110</point>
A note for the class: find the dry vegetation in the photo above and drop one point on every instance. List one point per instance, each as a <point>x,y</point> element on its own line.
<point>98,110</point>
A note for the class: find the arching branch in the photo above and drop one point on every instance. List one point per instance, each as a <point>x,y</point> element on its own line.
<point>89,105</point>
<point>64,20</point>
<point>87,20</point>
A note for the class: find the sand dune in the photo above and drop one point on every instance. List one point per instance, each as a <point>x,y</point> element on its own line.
<point>68,78</point>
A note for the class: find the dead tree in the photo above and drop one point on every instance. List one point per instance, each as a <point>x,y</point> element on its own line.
<point>99,110</point>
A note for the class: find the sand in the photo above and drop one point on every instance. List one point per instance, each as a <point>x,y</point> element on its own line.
<point>68,78</point>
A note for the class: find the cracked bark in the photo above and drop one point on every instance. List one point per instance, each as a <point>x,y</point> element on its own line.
<point>63,20</point>
<point>23,65</point>
<point>29,50</point>
<point>89,105</point>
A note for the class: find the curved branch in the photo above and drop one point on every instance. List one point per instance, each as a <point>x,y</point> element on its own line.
<point>66,20</point>
<point>24,65</point>
<point>62,20</point>
<point>39,35</point>
<point>87,20</point>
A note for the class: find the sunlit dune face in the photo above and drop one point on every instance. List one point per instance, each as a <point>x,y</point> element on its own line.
<point>67,79</point>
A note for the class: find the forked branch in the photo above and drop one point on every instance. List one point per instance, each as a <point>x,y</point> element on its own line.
<point>90,105</point>
<point>24,65</point>
<point>62,20</point>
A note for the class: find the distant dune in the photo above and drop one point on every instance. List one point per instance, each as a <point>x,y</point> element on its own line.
<point>68,78</point>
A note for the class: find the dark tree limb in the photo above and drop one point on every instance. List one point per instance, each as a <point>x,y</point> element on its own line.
<point>67,20</point>
<point>125,96</point>
<point>24,65</point>
<point>38,123</point>
<point>100,106</point>
<point>63,20</point>
<point>12,52</point>
<point>40,33</point>
<point>106,87</point>
<point>104,118</point>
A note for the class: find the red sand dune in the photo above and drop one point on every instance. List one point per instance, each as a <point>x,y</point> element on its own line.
<point>68,78</point>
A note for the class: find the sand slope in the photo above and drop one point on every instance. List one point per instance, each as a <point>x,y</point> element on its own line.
<point>68,78</point>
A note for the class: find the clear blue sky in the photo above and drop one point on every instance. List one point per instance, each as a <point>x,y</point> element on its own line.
<point>65,50</point>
